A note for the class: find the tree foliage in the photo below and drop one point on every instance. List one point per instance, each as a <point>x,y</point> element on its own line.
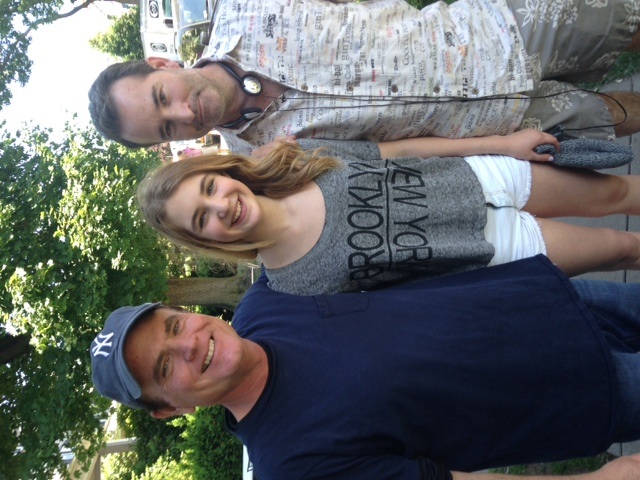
<point>163,469</point>
<point>158,440</point>
<point>195,446</point>
<point>72,249</point>
<point>211,452</point>
<point>122,41</point>
<point>18,19</point>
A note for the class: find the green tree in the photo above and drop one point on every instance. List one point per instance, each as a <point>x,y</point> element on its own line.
<point>196,444</point>
<point>122,41</point>
<point>163,469</point>
<point>72,248</point>
<point>157,441</point>
<point>211,452</point>
<point>18,19</point>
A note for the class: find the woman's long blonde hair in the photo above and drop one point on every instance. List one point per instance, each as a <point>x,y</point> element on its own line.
<point>283,172</point>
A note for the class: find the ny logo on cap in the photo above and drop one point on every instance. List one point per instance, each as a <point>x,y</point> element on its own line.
<point>101,341</point>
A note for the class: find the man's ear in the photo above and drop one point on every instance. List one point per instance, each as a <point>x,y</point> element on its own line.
<point>166,412</point>
<point>162,63</point>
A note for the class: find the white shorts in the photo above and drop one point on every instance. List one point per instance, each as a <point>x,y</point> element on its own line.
<point>506,184</point>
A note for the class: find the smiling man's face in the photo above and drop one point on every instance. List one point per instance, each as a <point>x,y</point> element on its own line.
<point>184,359</point>
<point>168,104</point>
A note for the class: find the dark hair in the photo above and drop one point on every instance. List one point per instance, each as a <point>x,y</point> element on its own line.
<point>153,404</point>
<point>103,109</point>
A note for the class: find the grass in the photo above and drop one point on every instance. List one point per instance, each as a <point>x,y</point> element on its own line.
<point>626,65</point>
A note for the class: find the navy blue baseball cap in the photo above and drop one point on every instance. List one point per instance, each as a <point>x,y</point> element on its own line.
<point>110,373</point>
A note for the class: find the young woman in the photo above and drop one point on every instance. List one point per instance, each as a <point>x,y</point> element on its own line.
<point>340,216</point>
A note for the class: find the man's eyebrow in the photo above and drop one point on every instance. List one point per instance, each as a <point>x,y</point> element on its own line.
<point>168,324</point>
<point>156,102</point>
<point>194,218</point>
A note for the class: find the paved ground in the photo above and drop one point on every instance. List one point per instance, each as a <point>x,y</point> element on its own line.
<point>620,222</point>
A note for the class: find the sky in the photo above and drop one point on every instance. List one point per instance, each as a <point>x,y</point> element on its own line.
<point>64,67</point>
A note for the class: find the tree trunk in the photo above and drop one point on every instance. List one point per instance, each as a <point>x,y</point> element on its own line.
<point>13,346</point>
<point>216,292</point>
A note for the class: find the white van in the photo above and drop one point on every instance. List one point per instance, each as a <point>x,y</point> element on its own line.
<point>158,21</point>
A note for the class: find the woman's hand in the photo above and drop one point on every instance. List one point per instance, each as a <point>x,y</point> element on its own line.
<point>521,145</point>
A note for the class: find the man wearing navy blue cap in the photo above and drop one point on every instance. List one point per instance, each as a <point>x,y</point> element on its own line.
<point>427,380</point>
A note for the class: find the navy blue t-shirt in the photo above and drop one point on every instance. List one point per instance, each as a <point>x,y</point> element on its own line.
<point>498,366</point>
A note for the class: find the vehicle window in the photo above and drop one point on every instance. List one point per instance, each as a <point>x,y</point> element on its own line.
<point>193,11</point>
<point>167,9</point>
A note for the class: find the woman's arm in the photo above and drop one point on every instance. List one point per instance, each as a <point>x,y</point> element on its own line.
<point>518,145</point>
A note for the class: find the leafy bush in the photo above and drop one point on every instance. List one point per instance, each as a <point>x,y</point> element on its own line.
<point>211,452</point>
<point>165,469</point>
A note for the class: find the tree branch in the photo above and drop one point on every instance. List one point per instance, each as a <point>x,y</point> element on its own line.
<point>22,36</point>
<point>74,10</point>
<point>13,346</point>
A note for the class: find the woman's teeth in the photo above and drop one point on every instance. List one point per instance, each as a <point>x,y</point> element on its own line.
<point>238,212</point>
